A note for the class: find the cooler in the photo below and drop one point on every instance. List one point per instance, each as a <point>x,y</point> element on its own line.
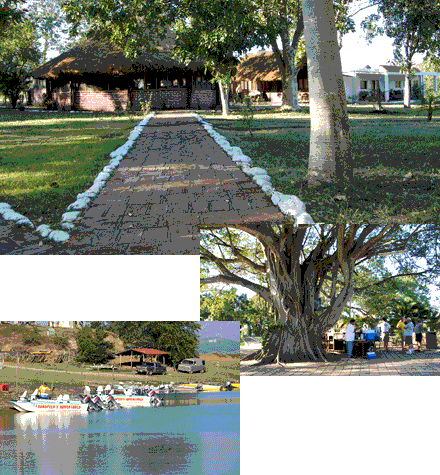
<point>369,335</point>
<point>4,387</point>
<point>371,355</point>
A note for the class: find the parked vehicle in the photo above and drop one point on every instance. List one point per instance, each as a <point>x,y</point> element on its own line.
<point>192,366</point>
<point>151,368</point>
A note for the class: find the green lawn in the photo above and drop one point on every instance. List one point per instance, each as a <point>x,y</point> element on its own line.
<point>218,371</point>
<point>385,148</point>
<point>46,159</point>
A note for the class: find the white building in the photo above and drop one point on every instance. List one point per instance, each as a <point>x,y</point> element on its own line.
<point>361,83</point>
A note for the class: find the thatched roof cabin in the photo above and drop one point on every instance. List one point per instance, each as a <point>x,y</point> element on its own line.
<point>260,72</point>
<point>106,79</point>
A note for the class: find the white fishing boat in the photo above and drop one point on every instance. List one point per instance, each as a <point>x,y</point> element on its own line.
<point>61,404</point>
<point>130,397</point>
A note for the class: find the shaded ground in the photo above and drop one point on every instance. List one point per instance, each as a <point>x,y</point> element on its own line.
<point>173,181</point>
<point>392,363</point>
<point>396,160</point>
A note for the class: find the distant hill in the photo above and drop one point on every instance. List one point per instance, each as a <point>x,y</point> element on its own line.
<point>218,345</point>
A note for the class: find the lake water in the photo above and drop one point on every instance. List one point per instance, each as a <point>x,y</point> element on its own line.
<point>196,436</point>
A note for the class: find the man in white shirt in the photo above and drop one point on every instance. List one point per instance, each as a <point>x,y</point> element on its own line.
<point>385,332</point>
<point>349,338</point>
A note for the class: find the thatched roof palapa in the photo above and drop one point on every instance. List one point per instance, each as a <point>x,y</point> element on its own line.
<point>101,57</point>
<point>258,66</point>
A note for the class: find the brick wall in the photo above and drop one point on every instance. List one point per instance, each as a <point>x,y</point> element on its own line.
<point>160,98</point>
<point>37,96</point>
<point>203,98</point>
<point>107,101</point>
<point>63,100</point>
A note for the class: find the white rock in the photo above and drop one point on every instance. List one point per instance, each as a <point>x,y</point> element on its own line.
<point>59,236</point>
<point>261,180</point>
<point>237,150</point>
<point>276,197</point>
<point>267,188</point>
<point>4,206</point>
<point>109,168</point>
<point>67,225</point>
<point>71,216</point>
<point>25,222</point>
<point>103,176</point>
<point>304,218</point>
<point>292,206</point>
<point>44,230</point>
<point>256,171</point>
<point>10,215</point>
<point>246,170</point>
<point>82,203</point>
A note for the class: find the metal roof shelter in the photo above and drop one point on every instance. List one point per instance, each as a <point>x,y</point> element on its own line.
<point>148,353</point>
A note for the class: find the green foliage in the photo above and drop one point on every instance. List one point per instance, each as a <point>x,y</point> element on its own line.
<point>146,106</point>
<point>91,347</point>
<point>180,339</point>
<point>61,342</point>
<point>19,55</point>
<point>247,113</point>
<point>32,337</point>
<point>49,21</point>
<point>431,97</point>
<point>11,13</point>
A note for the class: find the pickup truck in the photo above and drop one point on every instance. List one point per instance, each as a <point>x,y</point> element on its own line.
<point>151,368</point>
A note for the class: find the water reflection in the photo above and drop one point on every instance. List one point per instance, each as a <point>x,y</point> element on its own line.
<point>190,435</point>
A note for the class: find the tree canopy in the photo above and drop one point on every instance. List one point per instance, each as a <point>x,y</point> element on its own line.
<point>92,347</point>
<point>180,339</point>
<point>307,273</point>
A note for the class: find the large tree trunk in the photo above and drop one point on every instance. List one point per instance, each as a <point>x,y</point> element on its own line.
<point>223,84</point>
<point>300,325</point>
<point>290,91</point>
<point>330,156</point>
<point>407,90</point>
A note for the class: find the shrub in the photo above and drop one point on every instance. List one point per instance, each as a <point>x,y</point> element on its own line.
<point>60,342</point>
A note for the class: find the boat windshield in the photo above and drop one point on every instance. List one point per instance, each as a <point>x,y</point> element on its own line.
<point>187,362</point>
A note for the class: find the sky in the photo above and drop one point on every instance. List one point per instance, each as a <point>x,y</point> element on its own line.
<point>356,53</point>
<point>230,330</point>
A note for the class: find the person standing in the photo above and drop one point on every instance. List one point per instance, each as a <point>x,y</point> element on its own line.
<point>409,329</point>
<point>349,338</point>
<point>401,328</point>
<point>418,329</point>
<point>385,333</point>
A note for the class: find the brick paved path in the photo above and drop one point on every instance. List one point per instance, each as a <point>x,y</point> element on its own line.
<point>392,363</point>
<point>174,180</point>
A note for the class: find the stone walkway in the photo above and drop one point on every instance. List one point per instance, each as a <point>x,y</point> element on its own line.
<point>174,180</point>
<point>392,363</point>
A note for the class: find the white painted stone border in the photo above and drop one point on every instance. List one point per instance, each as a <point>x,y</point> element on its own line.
<point>83,200</point>
<point>289,205</point>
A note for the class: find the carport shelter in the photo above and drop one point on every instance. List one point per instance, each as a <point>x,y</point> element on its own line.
<point>143,354</point>
<point>95,75</point>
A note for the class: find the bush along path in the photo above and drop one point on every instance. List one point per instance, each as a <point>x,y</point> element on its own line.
<point>175,179</point>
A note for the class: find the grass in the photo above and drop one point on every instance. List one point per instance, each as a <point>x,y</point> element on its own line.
<point>385,149</point>
<point>46,159</point>
<point>218,371</point>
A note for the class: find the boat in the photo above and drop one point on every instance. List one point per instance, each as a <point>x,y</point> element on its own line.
<point>61,404</point>
<point>213,387</point>
<point>131,397</point>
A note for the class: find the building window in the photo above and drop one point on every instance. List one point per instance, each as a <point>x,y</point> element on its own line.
<point>364,85</point>
<point>398,84</point>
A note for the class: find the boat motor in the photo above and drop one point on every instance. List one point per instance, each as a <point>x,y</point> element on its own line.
<point>91,405</point>
<point>199,387</point>
<point>154,400</point>
<point>226,387</point>
<point>111,403</point>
